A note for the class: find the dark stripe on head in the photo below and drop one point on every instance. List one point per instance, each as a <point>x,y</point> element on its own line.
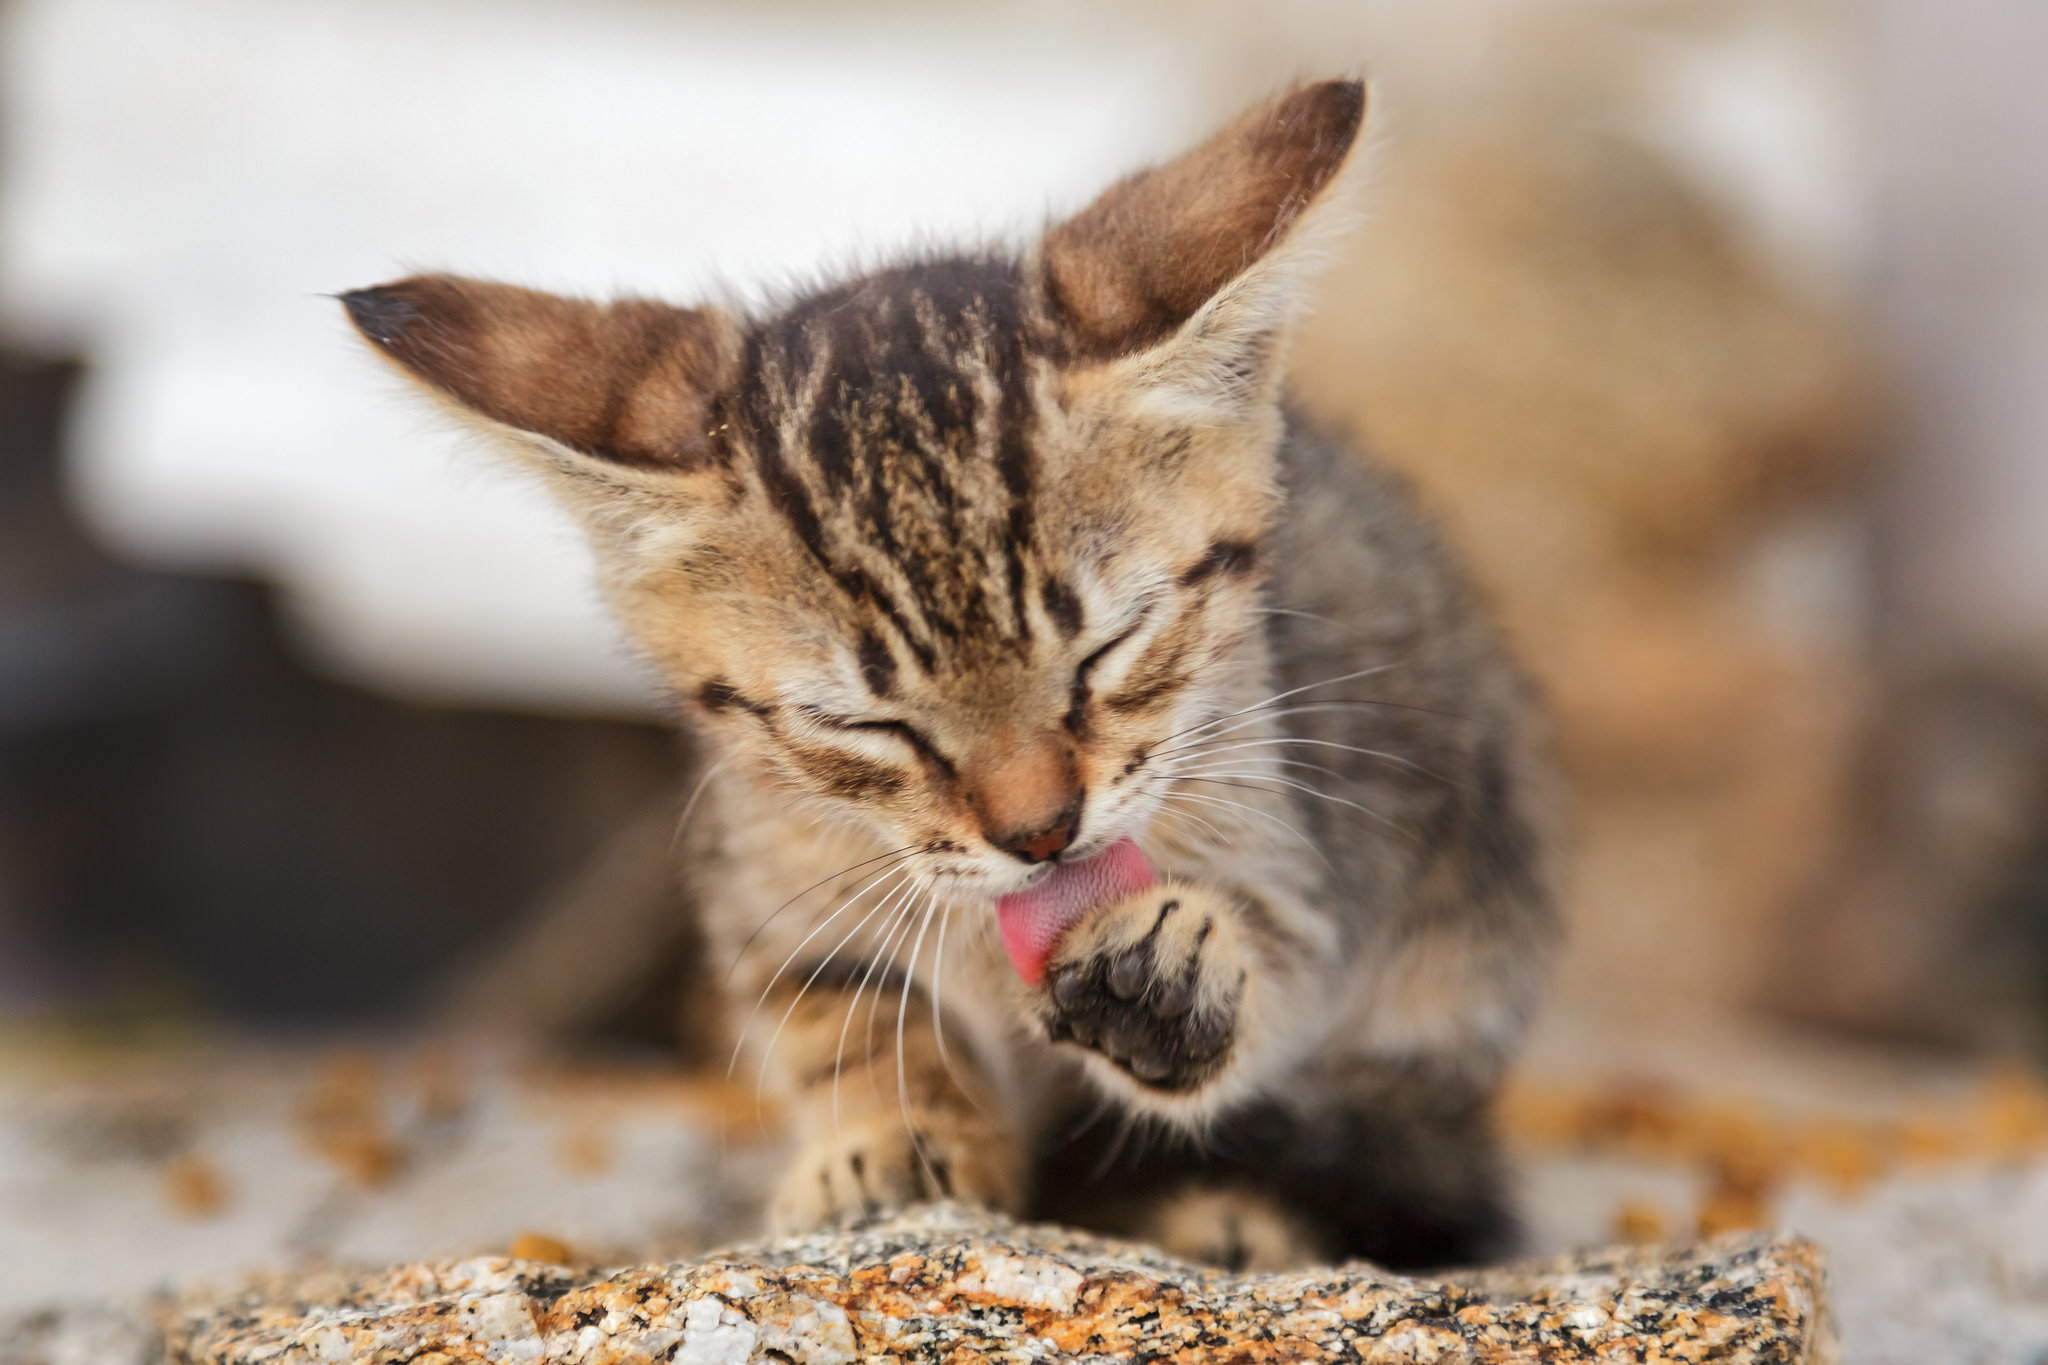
<point>788,496</point>
<point>1227,557</point>
<point>846,775</point>
<point>906,377</point>
<point>717,695</point>
<point>877,664</point>
<point>1062,605</point>
<point>1014,460</point>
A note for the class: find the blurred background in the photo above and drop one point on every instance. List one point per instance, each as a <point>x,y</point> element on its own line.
<point>1715,332</point>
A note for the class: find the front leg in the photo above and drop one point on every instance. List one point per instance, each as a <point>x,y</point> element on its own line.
<point>1154,983</point>
<point>867,1144</point>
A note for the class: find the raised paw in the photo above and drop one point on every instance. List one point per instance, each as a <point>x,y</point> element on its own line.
<point>881,1164</point>
<point>1153,984</point>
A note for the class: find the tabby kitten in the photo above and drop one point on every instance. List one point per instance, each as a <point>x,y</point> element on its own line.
<point>1119,812</point>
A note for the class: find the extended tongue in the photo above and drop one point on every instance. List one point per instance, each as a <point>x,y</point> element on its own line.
<point>1034,921</point>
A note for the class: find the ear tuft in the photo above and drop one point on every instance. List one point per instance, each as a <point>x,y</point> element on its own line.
<point>632,382</point>
<point>1131,267</point>
<point>382,313</point>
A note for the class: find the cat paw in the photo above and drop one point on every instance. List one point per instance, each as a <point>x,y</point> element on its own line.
<point>1153,984</point>
<point>882,1164</point>
<point>1231,1228</point>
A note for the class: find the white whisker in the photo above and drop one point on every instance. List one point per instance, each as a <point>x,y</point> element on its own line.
<point>874,963</point>
<point>1230,769</point>
<point>1304,615</point>
<point>1208,747</point>
<point>1283,696</point>
<point>1221,837</point>
<point>1249,778</point>
<point>768,1052</point>
<point>903,1081</point>
<point>938,1012</point>
<point>901,855</point>
<point>690,806</point>
<point>1253,810</point>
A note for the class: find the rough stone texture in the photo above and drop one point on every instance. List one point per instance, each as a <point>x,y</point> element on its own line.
<point>945,1284</point>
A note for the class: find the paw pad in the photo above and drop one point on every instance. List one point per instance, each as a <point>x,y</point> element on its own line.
<point>1149,1005</point>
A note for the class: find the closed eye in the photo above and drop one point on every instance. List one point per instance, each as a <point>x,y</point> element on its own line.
<point>1077,699</point>
<point>918,741</point>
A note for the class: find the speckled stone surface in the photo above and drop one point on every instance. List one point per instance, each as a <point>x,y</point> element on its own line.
<point>944,1284</point>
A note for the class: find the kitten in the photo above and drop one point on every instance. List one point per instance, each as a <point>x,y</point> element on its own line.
<point>1119,811</point>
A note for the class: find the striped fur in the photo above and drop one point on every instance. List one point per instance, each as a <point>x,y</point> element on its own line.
<point>983,560</point>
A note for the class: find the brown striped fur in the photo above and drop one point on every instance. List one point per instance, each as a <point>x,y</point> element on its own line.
<point>983,560</point>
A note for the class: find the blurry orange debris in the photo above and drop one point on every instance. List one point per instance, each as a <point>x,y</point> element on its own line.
<point>536,1246</point>
<point>1638,1221</point>
<point>1749,1151</point>
<point>1846,1156</point>
<point>343,1120</point>
<point>1745,1151</point>
<point>699,1097</point>
<point>1728,1209</point>
<point>1539,1117</point>
<point>2012,1114</point>
<point>369,1159</point>
<point>1930,1137</point>
<point>1635,1115</point>
<point>194,1187</point>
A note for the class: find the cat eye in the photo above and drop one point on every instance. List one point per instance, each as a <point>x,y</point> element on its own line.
<point>1078,695</point>
<point>903,730</point>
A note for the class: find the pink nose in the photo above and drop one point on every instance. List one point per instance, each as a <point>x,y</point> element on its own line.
<point>1027,797</point>
<point>1046,843</point>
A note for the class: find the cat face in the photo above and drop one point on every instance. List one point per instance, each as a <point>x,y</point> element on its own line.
<point>964,587</point>
<point>952,549</point>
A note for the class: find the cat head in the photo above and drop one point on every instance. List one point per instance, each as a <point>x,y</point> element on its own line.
<point>951,548</point>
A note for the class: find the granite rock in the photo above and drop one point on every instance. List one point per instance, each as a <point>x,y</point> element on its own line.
<point>949,1284</point>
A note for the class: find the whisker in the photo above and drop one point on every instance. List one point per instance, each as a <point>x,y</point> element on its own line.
<point>892,945</point>
<point>846,1025</point>
<point>1210,747</point>
<point>1273,710</point>
<point>902,1080</point>
<point>1224,769</point>
<point>901,853</point>
<point>1221,770</point>
<point>1275,713</point>
<point>690,806</point>
<point>938,1013</point>
<point>1253,810</point>
<point>1289,782</point>
<point>1283,696</point>
<point>853,898</point>
<point>816,972</point>
<point>1221,837</point>
<point>1115,1149</point>
<point>1304,615</point>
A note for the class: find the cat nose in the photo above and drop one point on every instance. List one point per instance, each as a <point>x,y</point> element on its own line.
<point>1027,797</point>
<point>1045,844</point>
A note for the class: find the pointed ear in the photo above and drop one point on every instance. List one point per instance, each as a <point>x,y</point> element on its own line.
<point>1130,268</point>
<point>631,382</point>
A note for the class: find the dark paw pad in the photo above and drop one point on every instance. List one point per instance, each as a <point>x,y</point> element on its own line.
<point>1152,1006</point>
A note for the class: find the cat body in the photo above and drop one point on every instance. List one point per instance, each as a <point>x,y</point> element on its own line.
<point>1117,808</point>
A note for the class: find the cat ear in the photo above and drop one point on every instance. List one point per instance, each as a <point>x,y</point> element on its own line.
<point>630,383</point>
<point>1131,268</point>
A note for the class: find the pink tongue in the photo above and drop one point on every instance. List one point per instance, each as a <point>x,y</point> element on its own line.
<point>1033,921</point>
